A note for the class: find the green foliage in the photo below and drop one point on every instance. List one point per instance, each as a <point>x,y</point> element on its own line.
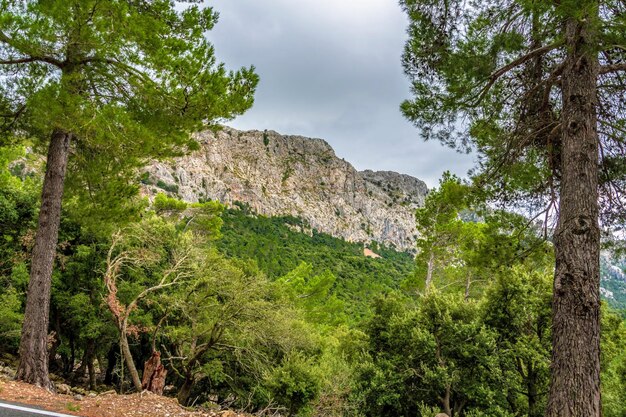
<point>171,188</point>
<point>224,319</point>
<point>312,293</point>
<point>438,353</point>
<point>613,360</point>
<point>11,317</point>
<point>294,384</point>
<point>518,307</point>
<point>18,198</point>
<point>163,203</point>
<point>463,242</point>
<point>278,249</point>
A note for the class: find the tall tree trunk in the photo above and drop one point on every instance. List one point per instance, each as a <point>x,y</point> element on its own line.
<point>575,379</point>
<point>33,365</point>
<point>128,357</point>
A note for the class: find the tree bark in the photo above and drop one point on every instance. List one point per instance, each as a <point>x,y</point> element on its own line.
<point>429,271</point>
<point>33,364</point>
<point>533,394</point>
<point>154,374</point>
<point>185,390</point>
<point>128,357</point>
<point>575,377</point>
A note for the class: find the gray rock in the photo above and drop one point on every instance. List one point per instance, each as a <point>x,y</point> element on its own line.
<point>293,175</point>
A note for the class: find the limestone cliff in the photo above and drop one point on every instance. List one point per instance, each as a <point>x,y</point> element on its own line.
<point>279,175</point>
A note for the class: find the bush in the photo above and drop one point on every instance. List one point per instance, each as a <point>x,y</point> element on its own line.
<point>11,317</point>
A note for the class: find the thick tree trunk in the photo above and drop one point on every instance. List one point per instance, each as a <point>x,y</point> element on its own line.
<point>154,374</point>
<point>575,381</point>
<point>33,365</point>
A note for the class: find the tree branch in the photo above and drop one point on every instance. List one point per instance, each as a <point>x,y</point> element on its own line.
<point>31,56</point>
<point>607,69</point>
<point>516,62</point>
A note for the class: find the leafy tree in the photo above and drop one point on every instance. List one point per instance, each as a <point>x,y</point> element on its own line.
<point>440,227</point>
<point>157,257</point>
<point>517,308</point>
<point>540,84</point>
<point>438,354</point>
<point>113,82</point>
<point>312,293</point>
<point>464,242</point>
<point>613,363</point>
<point>294,384</point>
<point>224,313</point>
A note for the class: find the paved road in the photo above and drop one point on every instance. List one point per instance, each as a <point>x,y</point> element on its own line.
<point>19,410</point>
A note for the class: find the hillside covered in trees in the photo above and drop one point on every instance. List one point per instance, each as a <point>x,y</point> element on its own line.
<point>496,308</point>
<point>251,312</point>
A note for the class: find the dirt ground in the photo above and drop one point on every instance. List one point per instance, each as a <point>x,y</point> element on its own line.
<point>108,404</point>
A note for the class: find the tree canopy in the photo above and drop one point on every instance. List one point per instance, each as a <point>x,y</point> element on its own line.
<point>536,89</point>
<point>110,83</point>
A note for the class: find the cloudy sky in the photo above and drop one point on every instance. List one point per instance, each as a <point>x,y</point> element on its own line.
<point>331,69</point>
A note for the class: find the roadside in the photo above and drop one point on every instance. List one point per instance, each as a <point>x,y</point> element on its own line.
<point>107,404</point>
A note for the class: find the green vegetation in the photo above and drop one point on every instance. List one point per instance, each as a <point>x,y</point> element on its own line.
<point>228,308</point>
<point>535,89</point>
<point>250,312</point>
<point>103,86</point>
<point>278,249</point>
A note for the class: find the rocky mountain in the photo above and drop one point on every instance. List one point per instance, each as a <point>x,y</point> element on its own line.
<point>292,175</point>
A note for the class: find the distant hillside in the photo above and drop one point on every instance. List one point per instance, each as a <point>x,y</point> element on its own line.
<point>280,175</point>
<point>278,246</point>
<point>613,280</point>
<point>301,178</point>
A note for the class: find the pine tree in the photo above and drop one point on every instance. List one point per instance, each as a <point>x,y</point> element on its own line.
<point>123,80</point>
<point>538,87</point>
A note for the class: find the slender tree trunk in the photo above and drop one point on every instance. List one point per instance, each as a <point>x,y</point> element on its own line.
<point>33,364</point>
<point>91,370</point>
<point>185,390</point>
<point>111,362</point>
<point>445,402</point>
<point>80,371</point>
<point>429,270</point>
<point>575,379</point>
<point>134,375</point>
<point>533,394</point>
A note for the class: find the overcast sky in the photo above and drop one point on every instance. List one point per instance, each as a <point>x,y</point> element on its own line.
<point>331,69</point>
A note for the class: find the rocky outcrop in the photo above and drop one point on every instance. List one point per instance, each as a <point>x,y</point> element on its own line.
<point>294,175</point>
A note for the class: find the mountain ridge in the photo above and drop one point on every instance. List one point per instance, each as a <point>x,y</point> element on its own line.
<point>294,175</point>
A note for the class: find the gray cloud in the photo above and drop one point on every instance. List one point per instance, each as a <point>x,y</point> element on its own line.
<point>331,69</point>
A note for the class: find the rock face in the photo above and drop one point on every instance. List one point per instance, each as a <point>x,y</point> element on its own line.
<point>294,175</point>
